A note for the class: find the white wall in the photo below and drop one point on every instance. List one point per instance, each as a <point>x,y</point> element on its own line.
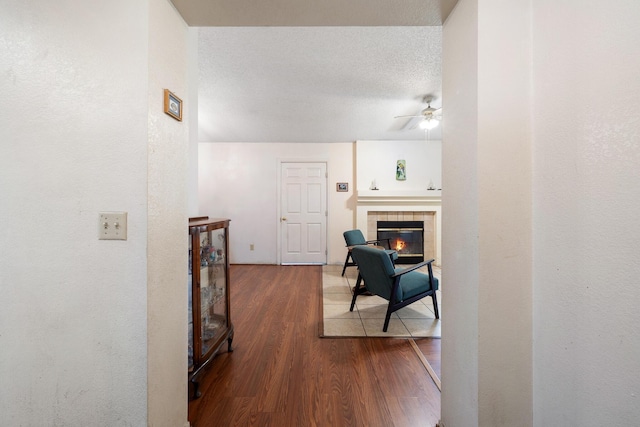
<point>74,308</point>
<point>167,219</point>
<point>191,109</point>
<point>570,300</point>
<point>504,213</point>
<point>376,160</point>
<point>80,138</point>
<point>460,229</point>
<point>487,333</point>
<point>239,181</point>
<point>586,203</point>
<point>487,341</point>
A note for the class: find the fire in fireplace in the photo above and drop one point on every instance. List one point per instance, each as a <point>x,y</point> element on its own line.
<point>405,237</point>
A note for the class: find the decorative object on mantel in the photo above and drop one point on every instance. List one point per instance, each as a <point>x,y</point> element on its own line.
<point>401,170</point>
<point>431,186</point>
<point>342,186</point>
<point>172,105</point>
<point>373,185</point>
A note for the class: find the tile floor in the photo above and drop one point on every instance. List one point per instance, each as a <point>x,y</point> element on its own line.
<point>367,318</point>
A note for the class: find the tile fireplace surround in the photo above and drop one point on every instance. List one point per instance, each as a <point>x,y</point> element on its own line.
<point>373,206</point>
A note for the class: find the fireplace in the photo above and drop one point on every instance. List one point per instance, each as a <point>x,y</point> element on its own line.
<point>405,237</point>
<point>374,206</point>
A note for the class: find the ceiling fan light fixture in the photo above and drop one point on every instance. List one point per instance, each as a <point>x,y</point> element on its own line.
<point>427,124</point>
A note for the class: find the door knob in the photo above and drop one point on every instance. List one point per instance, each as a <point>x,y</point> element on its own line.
<point>283,219</point>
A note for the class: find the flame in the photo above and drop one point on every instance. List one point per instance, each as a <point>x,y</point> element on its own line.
<point>399,245</point>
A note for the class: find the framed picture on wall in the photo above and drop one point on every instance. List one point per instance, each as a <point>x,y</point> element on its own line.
<point>172,105</point>
<point>342,186</point>
<point>401,170</point>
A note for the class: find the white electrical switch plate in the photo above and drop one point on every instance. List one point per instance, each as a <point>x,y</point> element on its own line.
<point>112,226</point>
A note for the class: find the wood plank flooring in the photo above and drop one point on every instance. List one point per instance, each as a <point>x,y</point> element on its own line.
<point>431,350</point>
<point>282,374</point>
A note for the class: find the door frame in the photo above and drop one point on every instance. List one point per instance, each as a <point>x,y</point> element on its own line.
<point>280,161</point>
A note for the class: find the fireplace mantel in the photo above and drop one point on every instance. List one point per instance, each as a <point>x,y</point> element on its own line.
<point>427,197</point>
<point>400,201</point>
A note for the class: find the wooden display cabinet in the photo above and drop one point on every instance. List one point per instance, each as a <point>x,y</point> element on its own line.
<point>209,320</point>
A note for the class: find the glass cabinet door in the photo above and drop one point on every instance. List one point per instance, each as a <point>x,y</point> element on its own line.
<point>213,285</point>
<point>209,321</point>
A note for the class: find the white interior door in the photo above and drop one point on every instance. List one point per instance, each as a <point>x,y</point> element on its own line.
<point>303,213</point>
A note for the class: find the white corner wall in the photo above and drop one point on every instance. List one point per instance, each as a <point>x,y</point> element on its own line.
<point>582,302</point>
<point>73,310</point>
<point>505,369</point>
<point>89,329</point>
<point>191,109</point>
<point>167,238</point>
<point>586,204</point>
<point>487,320</point>
<point>459,403</point>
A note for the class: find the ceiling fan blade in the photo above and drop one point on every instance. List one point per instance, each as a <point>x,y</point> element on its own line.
<point>400,117</point>
<point>425,116</point>
<point>412,123</point>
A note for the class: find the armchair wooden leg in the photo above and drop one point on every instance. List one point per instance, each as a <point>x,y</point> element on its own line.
<point>356,291</point>
<point>435,305</point>
<point>387,318</point>
<point>346,263</point>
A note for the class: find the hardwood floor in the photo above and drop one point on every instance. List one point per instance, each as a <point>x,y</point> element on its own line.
<point>282,374</point>
<point>431,350</point>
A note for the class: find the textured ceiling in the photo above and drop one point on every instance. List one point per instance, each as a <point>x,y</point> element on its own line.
<point>308,71</point>
<point>315,84</point>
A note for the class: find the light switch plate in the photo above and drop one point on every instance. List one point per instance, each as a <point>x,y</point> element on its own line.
<point>112,226</point>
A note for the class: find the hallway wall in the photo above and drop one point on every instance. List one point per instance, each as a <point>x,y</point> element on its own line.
<point>167,247</point>
<point>544,294</point>
<point>90,334</point>
<point>586,187</point>
<point>487,320</point>
<point>74,308</point>
<point>460,226</point>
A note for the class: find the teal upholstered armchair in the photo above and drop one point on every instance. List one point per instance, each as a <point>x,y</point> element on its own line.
<point>400,287</point>
<point>354,238</point>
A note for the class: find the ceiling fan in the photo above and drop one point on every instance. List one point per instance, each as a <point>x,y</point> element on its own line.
<point>430,116</point>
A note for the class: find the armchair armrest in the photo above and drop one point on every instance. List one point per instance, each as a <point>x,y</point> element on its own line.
<point>415,267</point>
<point>368,242</point>
<point>378,241</point>
<point>371,242</point>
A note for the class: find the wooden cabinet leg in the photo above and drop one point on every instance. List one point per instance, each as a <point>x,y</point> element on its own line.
<point>196,388</point>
